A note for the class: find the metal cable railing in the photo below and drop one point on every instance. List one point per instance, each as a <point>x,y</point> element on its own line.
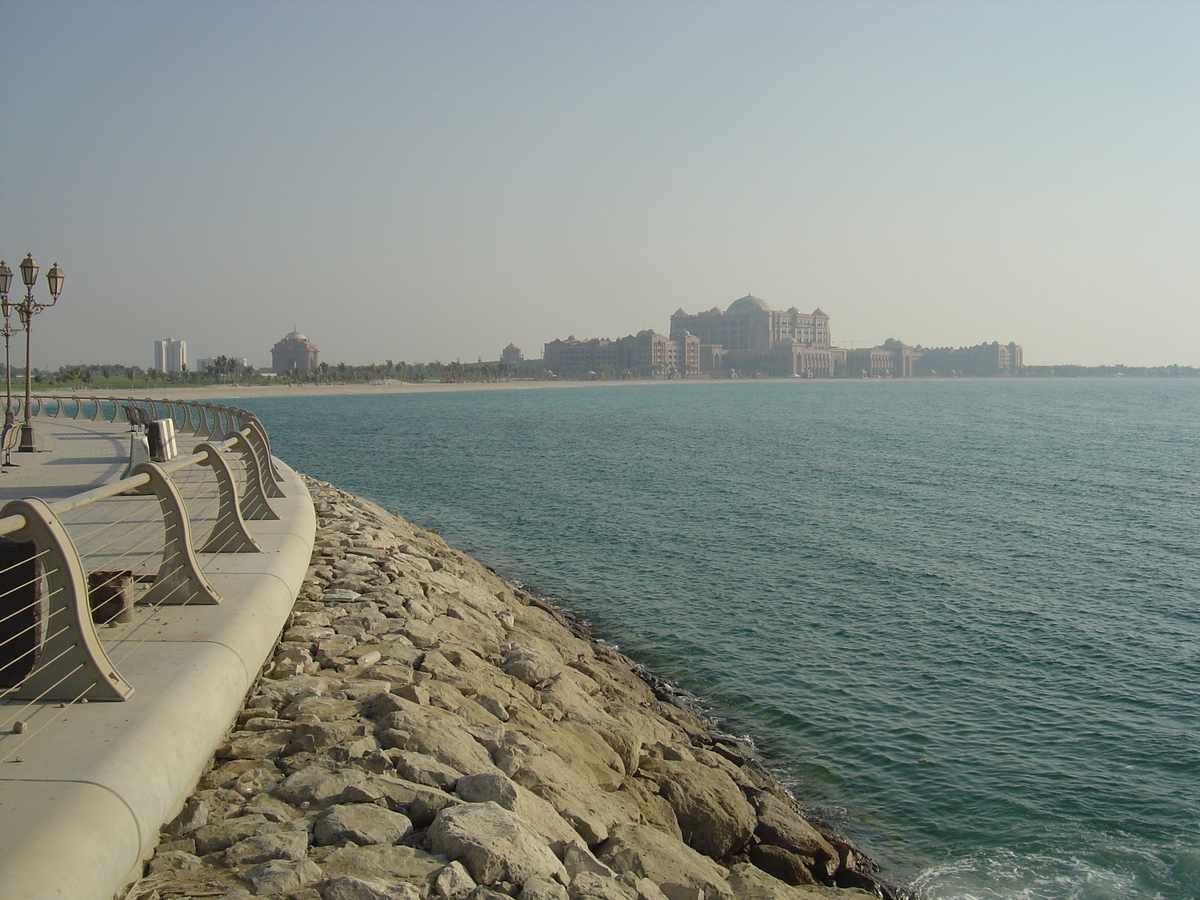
<point>82,578</point>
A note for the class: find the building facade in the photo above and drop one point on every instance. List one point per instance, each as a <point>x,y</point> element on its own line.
<point>170,355</point>
<point>982,360</point>
<point>750,324</point>
<point>646,353</point>
<point>891,360</point>
<point>294,353</point>
<point>512,355</point>
<point>751,338</point>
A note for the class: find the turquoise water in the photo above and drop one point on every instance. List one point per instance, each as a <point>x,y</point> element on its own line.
<point>962,618</point>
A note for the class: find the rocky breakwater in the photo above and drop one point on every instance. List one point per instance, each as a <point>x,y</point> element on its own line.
<point>426,729</point>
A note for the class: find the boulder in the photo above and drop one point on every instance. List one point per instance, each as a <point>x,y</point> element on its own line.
<point>586,808</point>
<point>713,813</point>
<point>450,744</point>
<point>533,810</point>
<point>227,832</point>
<point>785,865</point>
<point>542,887</point>
<point>531,666</point>
<point>453,882</point>
<point>494,844</point>
<point>751,883</point>
<point>282,876</point>
<point>679,871</point>
<point>421,768</point>
<point>361,823</point>
<point>349,887</point>
<point>590,886</point>
<point>259,848</point>
<point>781,825</point>
<point>316,785</point>
<point>254,745</point>
<point>174,861</point>
<point>383,861</point>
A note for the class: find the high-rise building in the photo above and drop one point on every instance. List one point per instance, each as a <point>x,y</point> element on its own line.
<point>170,355</point>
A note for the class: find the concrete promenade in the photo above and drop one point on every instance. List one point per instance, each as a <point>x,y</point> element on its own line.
<point>85,787</point>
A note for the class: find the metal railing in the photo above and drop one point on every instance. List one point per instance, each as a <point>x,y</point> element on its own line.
<point>70,568</point>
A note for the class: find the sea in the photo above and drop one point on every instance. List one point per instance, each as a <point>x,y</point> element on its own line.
<point>959,618</point>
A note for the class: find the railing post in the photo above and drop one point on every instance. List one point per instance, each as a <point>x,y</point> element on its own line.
<point>255,505</point>
<point>255,439</point>
<point>203,429</point>
<point>229,534</point>
<point>71,664</point>
<point>264,442</point>
<point>188,424</point>
<point>179,579</point>
<point>222,429</point>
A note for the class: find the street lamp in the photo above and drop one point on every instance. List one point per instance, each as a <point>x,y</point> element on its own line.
<point>27,309</point>
<point>8,331</point>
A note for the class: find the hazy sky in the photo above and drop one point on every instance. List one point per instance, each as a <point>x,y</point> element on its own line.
<point>432,180</point>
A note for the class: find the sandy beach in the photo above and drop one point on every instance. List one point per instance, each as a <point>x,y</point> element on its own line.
<point>235,391</point>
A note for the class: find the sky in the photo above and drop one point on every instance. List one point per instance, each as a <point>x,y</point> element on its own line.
<point>426,181</point>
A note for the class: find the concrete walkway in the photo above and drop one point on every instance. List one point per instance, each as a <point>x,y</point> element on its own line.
<point>85,788</point>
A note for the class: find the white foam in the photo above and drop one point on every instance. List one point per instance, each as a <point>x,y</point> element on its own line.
<point>1007,875</point>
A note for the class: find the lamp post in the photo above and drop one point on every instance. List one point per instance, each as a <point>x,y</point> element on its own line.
<point>27,309</point>
<point>8,331</point>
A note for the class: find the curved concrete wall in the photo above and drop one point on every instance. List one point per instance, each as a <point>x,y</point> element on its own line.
<point>84,806</point>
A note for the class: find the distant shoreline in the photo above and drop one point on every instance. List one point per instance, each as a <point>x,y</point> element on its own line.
<point>233,391</point>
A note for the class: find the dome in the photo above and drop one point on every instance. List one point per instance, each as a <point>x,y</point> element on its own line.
<point>747,304</point>
<point>295,336</point>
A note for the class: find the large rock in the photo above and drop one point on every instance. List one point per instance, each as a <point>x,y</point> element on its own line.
<point>494,844</point>
<point>383,861</point>
<point>262,847</point>
<point>532,809</point>
<point>713,813</point>
<point>348,887</point>
<point>782,826</point>
<point>751,883</point>
<point>590,886</point>
<point>678,870</point>
<point>542,887</point>
<point>531,666</point>
<point>785,865</point>
<point>282,876</point>
<point>585,807</point>
<point>224,834</point>
<point>421,768</point>
<point>317,786</point>
<point>453,882</point>
<point>361,823</point>
<point>450,744</point>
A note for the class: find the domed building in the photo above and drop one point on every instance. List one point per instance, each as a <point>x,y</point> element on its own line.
<point>294,353</point>
<point>751,336</point>
<point>750,324</point>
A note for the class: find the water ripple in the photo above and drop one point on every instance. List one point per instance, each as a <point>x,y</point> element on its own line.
<point>962,618</point>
